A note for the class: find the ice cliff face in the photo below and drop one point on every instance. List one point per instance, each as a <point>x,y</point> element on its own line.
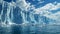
<point>23,13</point>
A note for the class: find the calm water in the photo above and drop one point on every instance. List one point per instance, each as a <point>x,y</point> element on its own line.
<point>29,17</point>
<point>17,29</point>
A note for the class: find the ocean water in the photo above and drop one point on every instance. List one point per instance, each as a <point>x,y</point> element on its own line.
<point>29,16</point>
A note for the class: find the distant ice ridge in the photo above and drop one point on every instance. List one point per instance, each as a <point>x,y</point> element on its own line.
<point>29,13</point>
<point>50,11</point>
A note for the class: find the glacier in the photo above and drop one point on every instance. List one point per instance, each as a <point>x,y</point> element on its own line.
<point>23,17</point>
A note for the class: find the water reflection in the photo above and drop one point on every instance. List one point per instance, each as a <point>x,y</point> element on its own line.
<point>30,29</point>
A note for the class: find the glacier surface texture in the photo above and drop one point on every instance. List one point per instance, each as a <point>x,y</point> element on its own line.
<point>29,16</point>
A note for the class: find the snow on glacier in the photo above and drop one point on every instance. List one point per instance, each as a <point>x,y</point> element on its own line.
<point>25,14</point>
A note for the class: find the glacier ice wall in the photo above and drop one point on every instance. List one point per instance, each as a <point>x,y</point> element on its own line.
<point>22,17</point>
